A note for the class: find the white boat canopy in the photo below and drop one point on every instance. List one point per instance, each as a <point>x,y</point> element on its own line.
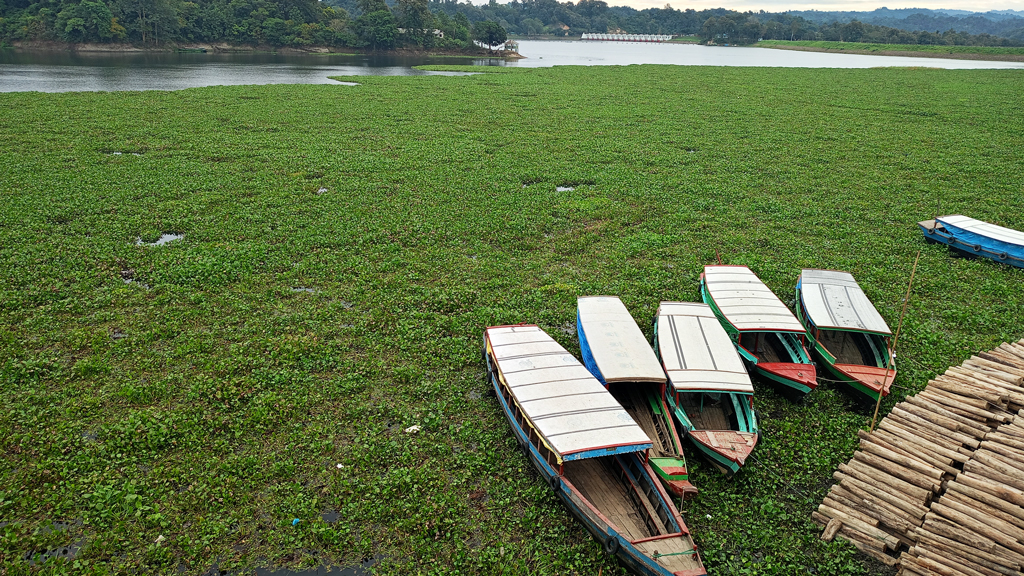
<point>615,342</point>
<point>696,352</point>
<point>568,408</point>
<point>992,231</point>
<point>833,300</point>
<point>746,302</point>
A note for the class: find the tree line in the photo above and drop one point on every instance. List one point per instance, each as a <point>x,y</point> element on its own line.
<point>376,25</point>
<point>421,24</point>
<point>535,17</point>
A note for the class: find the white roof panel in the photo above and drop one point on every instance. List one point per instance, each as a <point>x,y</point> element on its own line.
<point>619,348</point>
<point>993,231</point>
<point>566,405</point>
<point>746,302</point>
<point>834,300</point>
<point>696,351</point>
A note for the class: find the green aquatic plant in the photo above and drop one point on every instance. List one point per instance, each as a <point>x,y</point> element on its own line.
<point>180,405</point>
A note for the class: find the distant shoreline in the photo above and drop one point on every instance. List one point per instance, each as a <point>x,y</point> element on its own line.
<point>908,53</point>
<point>225,48</point>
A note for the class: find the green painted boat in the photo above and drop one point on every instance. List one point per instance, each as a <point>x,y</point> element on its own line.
<point>767,335</point>
<point>849,337</point>
<point>709,390</point>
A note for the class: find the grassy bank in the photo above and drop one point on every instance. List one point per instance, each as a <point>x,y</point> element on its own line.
<point>932,51</point>
<point>181,405</point>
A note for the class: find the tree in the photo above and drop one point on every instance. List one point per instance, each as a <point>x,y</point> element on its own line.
<point>378,29</point>
<point>415,17</point>
<point>370,6</point>
<point>489,33</point>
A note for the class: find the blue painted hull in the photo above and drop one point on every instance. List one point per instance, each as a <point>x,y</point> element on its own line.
<point>974,244</point>
<point>635,560</point>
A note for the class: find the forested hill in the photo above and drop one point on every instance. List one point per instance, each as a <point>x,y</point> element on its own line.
<point>552,17</point>
<point>998,23</point>
<point>451,25</point>
<point>295,23</point>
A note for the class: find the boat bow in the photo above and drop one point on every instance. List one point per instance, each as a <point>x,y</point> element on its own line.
<point>732,445</point>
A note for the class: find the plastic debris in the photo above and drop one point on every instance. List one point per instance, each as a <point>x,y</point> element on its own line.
<point>709,516</point>
<point>412,429</point>
<point>160,539</point>
<point>295,522</point>
<point>340,466</point>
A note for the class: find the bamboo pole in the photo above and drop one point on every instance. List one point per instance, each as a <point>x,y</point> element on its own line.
<point>895,341</point>
<point>1011,566</point>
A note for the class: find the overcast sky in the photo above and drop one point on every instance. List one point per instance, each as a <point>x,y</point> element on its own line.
<point>783,5</point>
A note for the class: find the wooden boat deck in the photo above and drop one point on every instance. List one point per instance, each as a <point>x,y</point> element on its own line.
<point>712,415</point>
<point>850,347</point>
<point>598,481</point>
<point>766,347</point>
<point>634,398</point>
<point>672,553</point>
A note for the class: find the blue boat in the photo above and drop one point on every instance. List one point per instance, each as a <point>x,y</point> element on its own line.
<point>620,357</point>
<point>589,450</point>
<point>977,238</point>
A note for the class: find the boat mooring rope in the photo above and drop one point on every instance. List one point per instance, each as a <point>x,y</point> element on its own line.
<point>687,553</point>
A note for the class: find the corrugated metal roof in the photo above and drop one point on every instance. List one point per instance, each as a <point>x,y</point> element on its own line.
<point>834,300</point>
<point>747,302</point>
<point>619,348</point>
<point>696,352</point>
<point>565,403</point>
<point>993,231</point>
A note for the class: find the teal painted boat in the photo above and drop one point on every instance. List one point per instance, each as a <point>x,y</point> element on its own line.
<point>709,389</point>
<point>848,335</point>
<point>767,335</point>
<point>620,357</point>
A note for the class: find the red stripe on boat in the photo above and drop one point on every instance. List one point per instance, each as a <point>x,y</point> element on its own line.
<point>800,373</point>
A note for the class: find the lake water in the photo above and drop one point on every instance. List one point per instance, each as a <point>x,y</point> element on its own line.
<point>65,72</point>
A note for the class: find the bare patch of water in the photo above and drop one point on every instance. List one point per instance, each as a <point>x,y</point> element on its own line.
<point>304,289</point>
<point>564,188</point>
<point>163,239</point>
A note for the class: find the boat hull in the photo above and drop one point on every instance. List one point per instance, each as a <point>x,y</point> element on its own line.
<point>859,377</point>
<point>673,474</point>
<point>868,380</point>
<point>722,456</point>
<point>799,377</point>
<point>973,244</point>
<point>595,523</point>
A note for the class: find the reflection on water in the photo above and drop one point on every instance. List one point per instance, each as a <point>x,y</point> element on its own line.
<point>64,71</point>
<point>101,71</point>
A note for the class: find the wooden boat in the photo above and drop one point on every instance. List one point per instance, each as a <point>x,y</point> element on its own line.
<point>617,354</point>
<point>710,393</point>
<point>977,238</point>
<point>847,334</point>
<point>589,450</point>
<point>767,335</point>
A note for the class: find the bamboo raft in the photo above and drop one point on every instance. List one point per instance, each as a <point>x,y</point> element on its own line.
<point>938,487</point>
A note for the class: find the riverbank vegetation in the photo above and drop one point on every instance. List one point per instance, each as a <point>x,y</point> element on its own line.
<point>248,394</point>
<point>918,49</point>
<point>440,25</point>
<point>408,24</point>
<point>750,29</point>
